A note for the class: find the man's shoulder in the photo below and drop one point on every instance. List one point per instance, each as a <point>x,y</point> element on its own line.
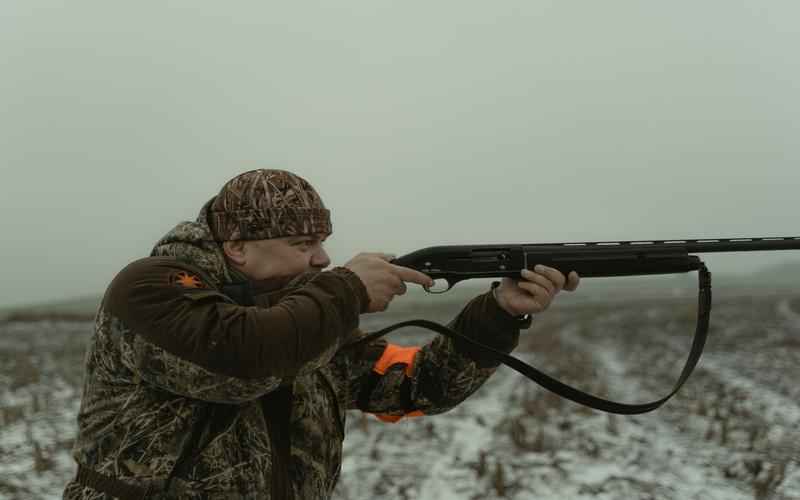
<point>164,271</point>
<point>152,282</point>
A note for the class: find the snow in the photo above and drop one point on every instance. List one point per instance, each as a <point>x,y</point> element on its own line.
<point>732,433</point>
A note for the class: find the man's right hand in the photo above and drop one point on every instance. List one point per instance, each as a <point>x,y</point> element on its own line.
<point>383,279</point>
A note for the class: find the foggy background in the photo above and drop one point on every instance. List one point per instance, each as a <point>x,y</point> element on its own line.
<point>419,123</point>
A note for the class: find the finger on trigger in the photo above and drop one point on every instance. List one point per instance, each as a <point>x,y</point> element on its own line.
<point>413,276</point>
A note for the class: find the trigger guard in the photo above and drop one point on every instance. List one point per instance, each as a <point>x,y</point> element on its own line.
<point>432,292</point>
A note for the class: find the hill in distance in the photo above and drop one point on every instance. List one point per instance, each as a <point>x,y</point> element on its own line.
<point>780,278</point>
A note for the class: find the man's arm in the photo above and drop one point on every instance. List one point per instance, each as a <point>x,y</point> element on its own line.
<point>392,381</point>
<point>195,342</point>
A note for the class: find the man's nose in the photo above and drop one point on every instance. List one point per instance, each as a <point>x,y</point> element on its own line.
<point>320,259</point>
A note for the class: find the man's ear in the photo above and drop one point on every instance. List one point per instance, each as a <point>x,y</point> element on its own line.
<point>235,251</point>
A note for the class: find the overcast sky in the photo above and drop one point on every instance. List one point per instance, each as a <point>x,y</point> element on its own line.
<point>419,123</point>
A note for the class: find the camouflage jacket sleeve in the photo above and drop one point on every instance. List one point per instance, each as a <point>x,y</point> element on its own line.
<point>392,381</point>
<point>184,337</point>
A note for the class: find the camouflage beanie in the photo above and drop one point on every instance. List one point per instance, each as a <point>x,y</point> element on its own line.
<point>263,204</point>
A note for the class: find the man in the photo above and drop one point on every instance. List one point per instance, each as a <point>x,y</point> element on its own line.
<point>217,368</point>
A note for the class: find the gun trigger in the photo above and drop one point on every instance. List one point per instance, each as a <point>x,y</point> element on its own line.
<point>431,291</point>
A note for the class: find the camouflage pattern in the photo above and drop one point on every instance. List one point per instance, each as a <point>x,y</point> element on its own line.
<point>141,403</point>
<point>263,204</point>
<point>191,242</point>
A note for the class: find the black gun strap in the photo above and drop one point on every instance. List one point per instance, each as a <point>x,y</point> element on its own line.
<point>569,392</point>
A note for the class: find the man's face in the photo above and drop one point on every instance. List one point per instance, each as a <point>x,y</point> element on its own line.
<point>284,257</point>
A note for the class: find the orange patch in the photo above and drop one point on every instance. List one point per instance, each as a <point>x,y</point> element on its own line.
<point>394,354</point>
<point>392,419</point>
<point>186,280</point>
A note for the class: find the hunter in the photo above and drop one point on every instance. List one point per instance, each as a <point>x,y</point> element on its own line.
<point>215,370</point>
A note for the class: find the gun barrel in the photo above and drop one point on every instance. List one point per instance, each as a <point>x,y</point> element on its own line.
<point>686,245</point>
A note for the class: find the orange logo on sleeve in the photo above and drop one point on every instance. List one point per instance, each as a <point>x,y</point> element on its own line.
<point>186,280</point>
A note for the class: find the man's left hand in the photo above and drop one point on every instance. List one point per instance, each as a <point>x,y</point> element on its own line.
<point>534,291</point>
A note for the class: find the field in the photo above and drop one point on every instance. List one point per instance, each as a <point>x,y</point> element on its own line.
<point>733,432</point>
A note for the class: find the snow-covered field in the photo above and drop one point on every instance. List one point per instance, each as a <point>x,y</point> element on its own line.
<point>733,432</point>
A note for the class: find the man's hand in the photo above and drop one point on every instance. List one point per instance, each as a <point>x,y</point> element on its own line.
<point>534,292</point>
<point>383,279</point>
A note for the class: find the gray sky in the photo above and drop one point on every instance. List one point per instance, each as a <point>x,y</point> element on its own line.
<point>419,123</point>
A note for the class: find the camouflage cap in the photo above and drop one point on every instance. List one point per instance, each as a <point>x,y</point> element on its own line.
<point>267,203</point>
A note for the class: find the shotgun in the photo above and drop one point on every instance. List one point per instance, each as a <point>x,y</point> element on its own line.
<point>455,263</point>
